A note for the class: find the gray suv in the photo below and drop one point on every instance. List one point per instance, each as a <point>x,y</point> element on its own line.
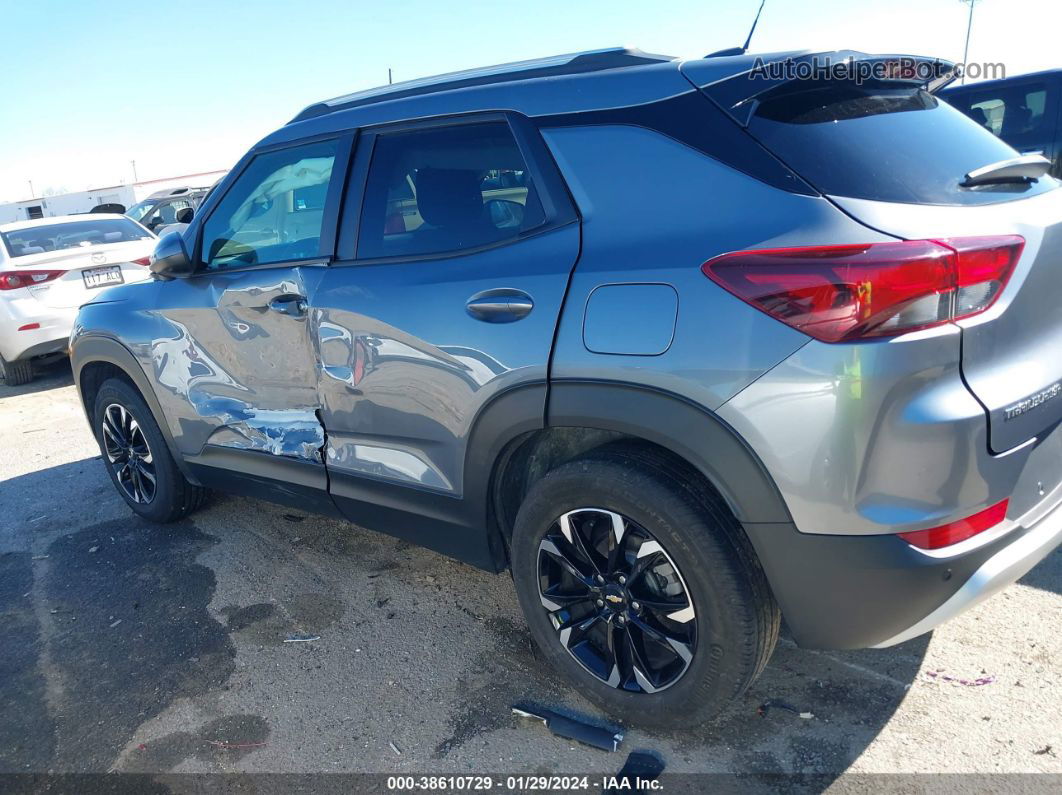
<point>688,347</point>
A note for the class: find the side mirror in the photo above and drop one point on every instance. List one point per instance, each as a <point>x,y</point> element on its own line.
<point>505,214</point>
<point>184,215</point>
<point>170,258</point>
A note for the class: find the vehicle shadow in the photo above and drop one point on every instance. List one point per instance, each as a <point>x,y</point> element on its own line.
<point>48,375</point>
<point>108,604</point>
<point>811,712</point>
<point>1047,575</point>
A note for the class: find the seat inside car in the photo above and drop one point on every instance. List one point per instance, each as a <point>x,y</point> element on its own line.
<point>451,203</point>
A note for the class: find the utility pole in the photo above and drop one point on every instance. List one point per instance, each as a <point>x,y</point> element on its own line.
<point>388,75</point>
<point>32,194</point>
<point>135,180</point>
<point>966,49</point>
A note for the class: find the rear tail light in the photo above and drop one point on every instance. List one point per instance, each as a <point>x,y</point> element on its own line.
<point>145,261</point>
<point>954,532</point>
<point>13,280</point>
<point>850,292</point>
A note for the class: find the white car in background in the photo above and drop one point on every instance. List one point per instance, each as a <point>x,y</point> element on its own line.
<point>51,266</point>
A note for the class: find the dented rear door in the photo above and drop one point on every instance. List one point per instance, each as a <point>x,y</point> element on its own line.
<point>445,307</point>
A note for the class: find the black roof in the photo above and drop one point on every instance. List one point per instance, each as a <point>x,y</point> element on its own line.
<point>571,64</point>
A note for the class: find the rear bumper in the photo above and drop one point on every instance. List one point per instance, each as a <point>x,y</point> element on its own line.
<point>1004,567</point>
<point>850,592</point>
<point>51,337</point>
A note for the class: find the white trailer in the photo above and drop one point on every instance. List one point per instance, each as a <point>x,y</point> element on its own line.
<point>84,201</point>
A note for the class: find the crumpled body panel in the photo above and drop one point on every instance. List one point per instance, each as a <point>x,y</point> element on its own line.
<point>234,373</point>
<point>290,432</point>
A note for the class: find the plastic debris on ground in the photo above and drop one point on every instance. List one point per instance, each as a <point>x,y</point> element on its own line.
<point>301,638</point>
<point>767,706</point>
<point>571,728</point>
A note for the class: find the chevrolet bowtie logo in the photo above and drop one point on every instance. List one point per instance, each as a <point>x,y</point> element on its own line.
<point>614,599</point>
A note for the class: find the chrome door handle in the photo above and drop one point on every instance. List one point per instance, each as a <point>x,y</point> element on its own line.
<point>502,305</point>
<point>291,304</point>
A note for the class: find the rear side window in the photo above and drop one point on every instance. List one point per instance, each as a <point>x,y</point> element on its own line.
<point>1006,111</point>
<point>274,211</point>
<point>165,213</point>
<point>886,143</point>
<point>446,189</point>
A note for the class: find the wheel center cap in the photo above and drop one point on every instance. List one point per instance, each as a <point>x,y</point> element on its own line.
<point>614,596</point>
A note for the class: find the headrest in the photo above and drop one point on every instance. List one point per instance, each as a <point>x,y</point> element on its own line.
<point>449,197</point>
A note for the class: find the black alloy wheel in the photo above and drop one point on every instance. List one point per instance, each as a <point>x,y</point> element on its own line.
<point>617,600</point>
<point>129,454</point>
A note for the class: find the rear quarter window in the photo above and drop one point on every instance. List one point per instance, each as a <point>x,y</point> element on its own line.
<point>885,143</point>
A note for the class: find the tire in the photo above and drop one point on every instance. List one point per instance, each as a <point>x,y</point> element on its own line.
<point>735,618</point>
<point>16,373</point>
<point>125,430</point>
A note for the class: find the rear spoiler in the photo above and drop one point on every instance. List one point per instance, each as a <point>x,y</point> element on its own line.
<point>739,95</point>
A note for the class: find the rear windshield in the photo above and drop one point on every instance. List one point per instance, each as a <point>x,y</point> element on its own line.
<point>71,234</point>
<point>883,143</point>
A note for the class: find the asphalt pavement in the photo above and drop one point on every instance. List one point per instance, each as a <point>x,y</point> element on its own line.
<point>133,647</point>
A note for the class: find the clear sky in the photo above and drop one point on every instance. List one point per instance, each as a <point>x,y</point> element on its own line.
<point>186,86</point>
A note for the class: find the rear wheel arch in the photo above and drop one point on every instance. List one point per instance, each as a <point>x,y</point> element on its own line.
<point>654,428</point>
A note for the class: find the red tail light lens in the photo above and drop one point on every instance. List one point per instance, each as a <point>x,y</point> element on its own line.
<point>13,280</point>
<point>145,261</point>
<point>954,532</point>
<point>984,265</point>
<point>850,292</point>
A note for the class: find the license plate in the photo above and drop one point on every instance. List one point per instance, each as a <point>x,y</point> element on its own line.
<point>101,277</point>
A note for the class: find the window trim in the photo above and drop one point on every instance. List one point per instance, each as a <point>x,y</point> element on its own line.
<point>345,141</point>
<point>557,205</point>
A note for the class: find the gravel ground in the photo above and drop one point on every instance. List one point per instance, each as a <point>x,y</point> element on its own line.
<point>132,647</point>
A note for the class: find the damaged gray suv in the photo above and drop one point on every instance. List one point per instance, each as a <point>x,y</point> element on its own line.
<point>688,346</point>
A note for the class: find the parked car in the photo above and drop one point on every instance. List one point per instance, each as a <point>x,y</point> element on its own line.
<point>749,349</point>
<point>167,207</point>
<point>1023,111</point>
<point>48,268</point>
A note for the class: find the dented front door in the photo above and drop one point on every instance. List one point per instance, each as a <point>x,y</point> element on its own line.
<point>235,366</point>
<point>233,355</point>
